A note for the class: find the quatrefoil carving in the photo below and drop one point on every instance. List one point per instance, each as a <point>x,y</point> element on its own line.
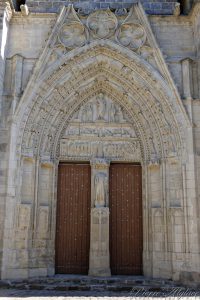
<point>102,24</point>
<point>131,35</point>
<point>72,35</point>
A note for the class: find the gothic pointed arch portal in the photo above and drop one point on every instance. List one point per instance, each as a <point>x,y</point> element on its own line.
<point>100,102</point>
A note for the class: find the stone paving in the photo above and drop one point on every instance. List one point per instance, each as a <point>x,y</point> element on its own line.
<point>58,295</point>
<point>85,287</point>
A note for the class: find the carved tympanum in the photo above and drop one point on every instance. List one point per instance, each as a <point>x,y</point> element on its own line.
<point>72,35</point>
<point>102,24</point>
<point>101,109</point>
<point>131,35</point>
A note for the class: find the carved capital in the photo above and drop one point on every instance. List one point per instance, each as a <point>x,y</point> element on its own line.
<point>100,163</point>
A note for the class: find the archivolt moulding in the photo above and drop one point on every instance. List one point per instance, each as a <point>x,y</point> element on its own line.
<point>88,71</point>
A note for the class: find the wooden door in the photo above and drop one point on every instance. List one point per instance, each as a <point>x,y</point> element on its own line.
<point>125,219</point>
<point>73,219</point>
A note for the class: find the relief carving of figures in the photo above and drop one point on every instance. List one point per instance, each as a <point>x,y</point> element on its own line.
<point>102,24</point>
<point>107,149</point>
<point>112,112</point>
<point>119,115</point>
<point>100,190</point>
<point>131,35</point>
<point>101,107</point>
<point>72,35</point>
<point>86,113</point>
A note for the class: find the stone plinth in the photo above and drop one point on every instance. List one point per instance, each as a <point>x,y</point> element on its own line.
<point>99,245</point>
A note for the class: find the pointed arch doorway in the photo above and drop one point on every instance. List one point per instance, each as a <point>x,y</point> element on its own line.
<point>124,230</point>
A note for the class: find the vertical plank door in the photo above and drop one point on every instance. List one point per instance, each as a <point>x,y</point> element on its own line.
<point>126,234</point>
<point>73,219</point>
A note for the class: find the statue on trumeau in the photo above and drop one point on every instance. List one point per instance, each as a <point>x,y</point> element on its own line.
<point>100,190</point>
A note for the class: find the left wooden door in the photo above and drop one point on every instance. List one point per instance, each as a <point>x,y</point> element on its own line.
<point>73,219</point>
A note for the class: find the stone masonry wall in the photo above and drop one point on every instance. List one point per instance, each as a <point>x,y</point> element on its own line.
<point>157,7</point>
<point>177,38</point>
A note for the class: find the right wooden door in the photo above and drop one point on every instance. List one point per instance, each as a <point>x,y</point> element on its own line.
<point>126,234</point>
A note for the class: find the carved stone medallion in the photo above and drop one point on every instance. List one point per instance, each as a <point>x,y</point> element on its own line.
<point>131,35</point>
<point>72,35</point>
<point>102,24</point>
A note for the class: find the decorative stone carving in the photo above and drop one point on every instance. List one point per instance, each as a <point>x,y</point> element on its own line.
<point>102,24</point>
<point>99,163</point>
<point>100,109</point>
<point>147,53</point>
<point>72,35</point>
<point>99,242</point>
<point>99,247</point>
<point>131,35</point>
<point>100,174</point>
<point>23,216</point>
<point>115,150</point>
<point>116,130</point>
<point>100,190</point>
<point>43,221</point>
<point>47,118</point>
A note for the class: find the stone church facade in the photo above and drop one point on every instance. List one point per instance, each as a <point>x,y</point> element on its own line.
<point>100,84</point>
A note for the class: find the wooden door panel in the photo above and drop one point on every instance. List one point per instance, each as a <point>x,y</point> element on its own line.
<point>73,219</point>
<point>125,191</point>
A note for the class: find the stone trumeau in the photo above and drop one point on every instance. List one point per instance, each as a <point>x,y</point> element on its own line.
<point>100,84</point>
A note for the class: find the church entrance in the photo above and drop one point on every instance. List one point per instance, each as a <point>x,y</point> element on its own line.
<point>73,219</point>
<point>125,197</point>
<point>77,237</point>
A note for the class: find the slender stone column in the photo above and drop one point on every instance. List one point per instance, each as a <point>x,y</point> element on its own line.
<point>187,93</point>
<point>5,16</point>
<point>99,235</point>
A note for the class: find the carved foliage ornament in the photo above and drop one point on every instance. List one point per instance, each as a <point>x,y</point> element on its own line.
<point>102,24</point>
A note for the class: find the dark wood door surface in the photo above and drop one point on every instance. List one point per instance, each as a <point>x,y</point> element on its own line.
<point>126,233</point>
<point>73,219</point>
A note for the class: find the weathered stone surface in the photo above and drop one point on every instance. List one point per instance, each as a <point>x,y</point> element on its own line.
<point>74,88</point>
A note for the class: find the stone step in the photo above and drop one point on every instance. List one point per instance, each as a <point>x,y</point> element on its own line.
<point>116,284</point>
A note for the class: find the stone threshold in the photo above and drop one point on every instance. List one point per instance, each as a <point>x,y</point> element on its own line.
<point>127,285</point>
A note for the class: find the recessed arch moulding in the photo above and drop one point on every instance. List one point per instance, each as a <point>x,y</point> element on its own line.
<point>100,99</point>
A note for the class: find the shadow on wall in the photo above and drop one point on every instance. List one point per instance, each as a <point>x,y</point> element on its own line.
<point>186,6</point>
<point>17,3</point>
